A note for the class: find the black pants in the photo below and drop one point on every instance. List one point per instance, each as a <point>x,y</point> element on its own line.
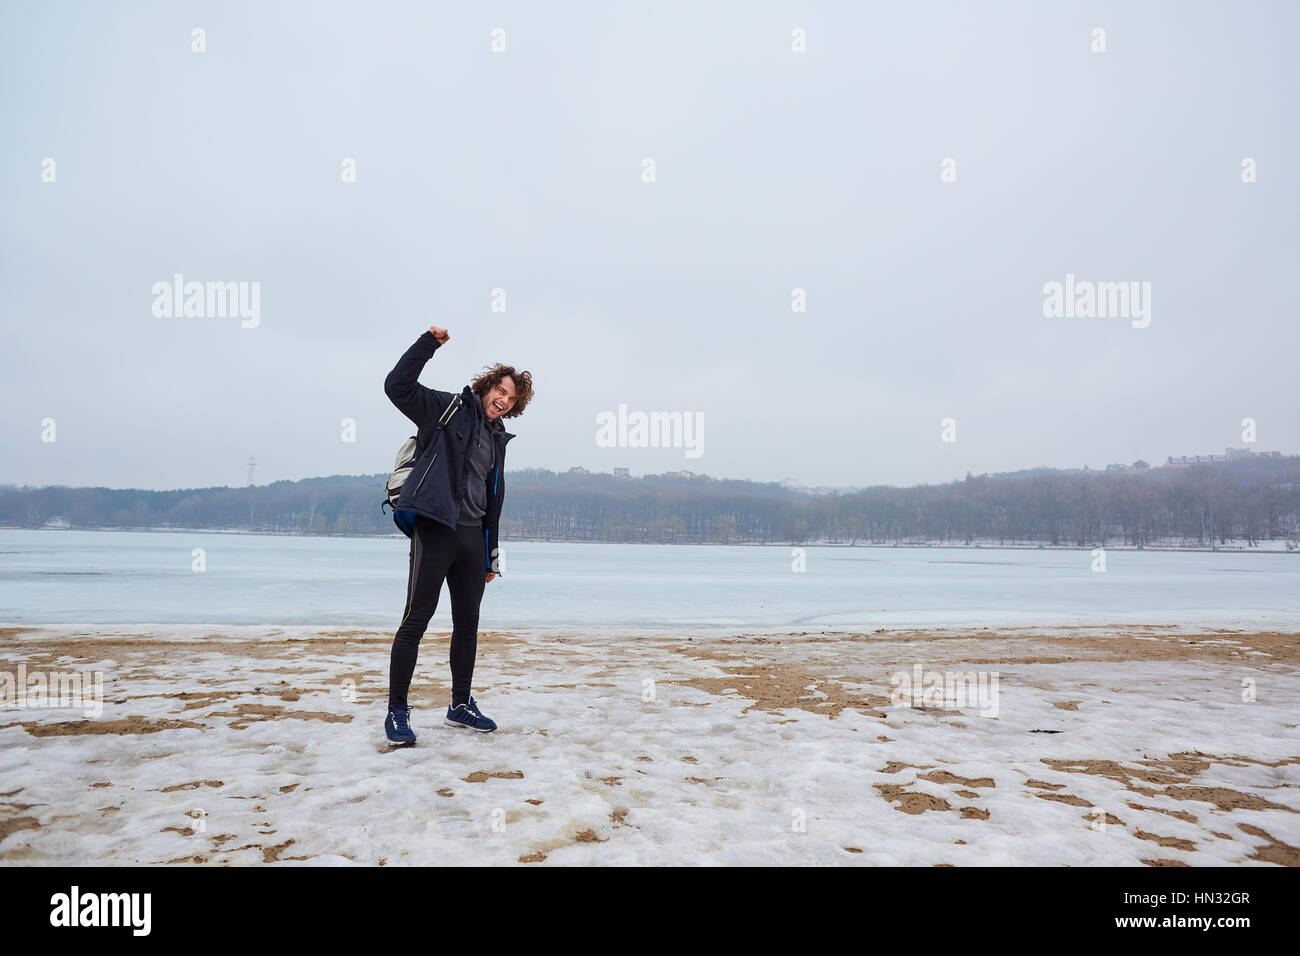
<point>440,553</point>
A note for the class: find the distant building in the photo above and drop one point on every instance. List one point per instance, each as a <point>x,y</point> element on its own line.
<point>1243,454</point>
<point>622,473</point>
<point>578,470</point>
<point>1117,467</point>
<point>1229,454</point>
<point>1139,464</point>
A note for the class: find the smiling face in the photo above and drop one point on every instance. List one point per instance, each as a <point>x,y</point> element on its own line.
<point>499,399</point>
<point>504,391</point>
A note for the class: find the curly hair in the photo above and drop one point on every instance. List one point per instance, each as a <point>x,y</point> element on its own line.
<point>491,378</point>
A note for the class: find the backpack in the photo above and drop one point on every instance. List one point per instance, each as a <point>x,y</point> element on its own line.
<point>402,467</point>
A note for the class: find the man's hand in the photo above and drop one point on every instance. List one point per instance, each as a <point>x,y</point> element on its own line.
<point>488,576</point>
<point>442,335</point>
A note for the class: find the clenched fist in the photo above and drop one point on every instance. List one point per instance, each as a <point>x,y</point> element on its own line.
<point>442,335</point>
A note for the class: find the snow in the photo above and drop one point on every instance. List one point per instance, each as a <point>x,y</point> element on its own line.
<point>709,764</point>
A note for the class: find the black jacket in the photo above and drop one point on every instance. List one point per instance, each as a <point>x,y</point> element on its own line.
<point>436,491</point>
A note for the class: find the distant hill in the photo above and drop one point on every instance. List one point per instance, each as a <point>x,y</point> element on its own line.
<point>1230,503</point>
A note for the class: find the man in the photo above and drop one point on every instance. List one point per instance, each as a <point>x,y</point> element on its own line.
<point>454,494</point>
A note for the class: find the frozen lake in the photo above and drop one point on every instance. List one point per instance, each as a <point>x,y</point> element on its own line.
<point>148,577</point>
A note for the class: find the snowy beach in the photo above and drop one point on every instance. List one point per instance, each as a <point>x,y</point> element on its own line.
<point>1124,744</point>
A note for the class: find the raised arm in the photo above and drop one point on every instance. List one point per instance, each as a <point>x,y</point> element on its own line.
<point>402,386</point>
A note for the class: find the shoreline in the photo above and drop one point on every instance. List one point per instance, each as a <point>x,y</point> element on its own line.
<point>1278,544</point>
<point>306,630</point>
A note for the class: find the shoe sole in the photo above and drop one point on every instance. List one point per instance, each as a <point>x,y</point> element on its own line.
<point>401,743</point>
<point>457,723</point>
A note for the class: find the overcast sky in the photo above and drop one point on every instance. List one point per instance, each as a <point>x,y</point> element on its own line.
<point>524,170</point>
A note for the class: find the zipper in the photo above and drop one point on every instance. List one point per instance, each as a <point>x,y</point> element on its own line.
<point>442,422</point>
<point>426,470</point>
<point>487,553</point>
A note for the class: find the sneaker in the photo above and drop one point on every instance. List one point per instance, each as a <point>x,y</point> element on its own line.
<point>397,725</point>
<point>468,715</point>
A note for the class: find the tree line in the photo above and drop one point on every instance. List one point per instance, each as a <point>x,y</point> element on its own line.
<point>1204,505</point>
